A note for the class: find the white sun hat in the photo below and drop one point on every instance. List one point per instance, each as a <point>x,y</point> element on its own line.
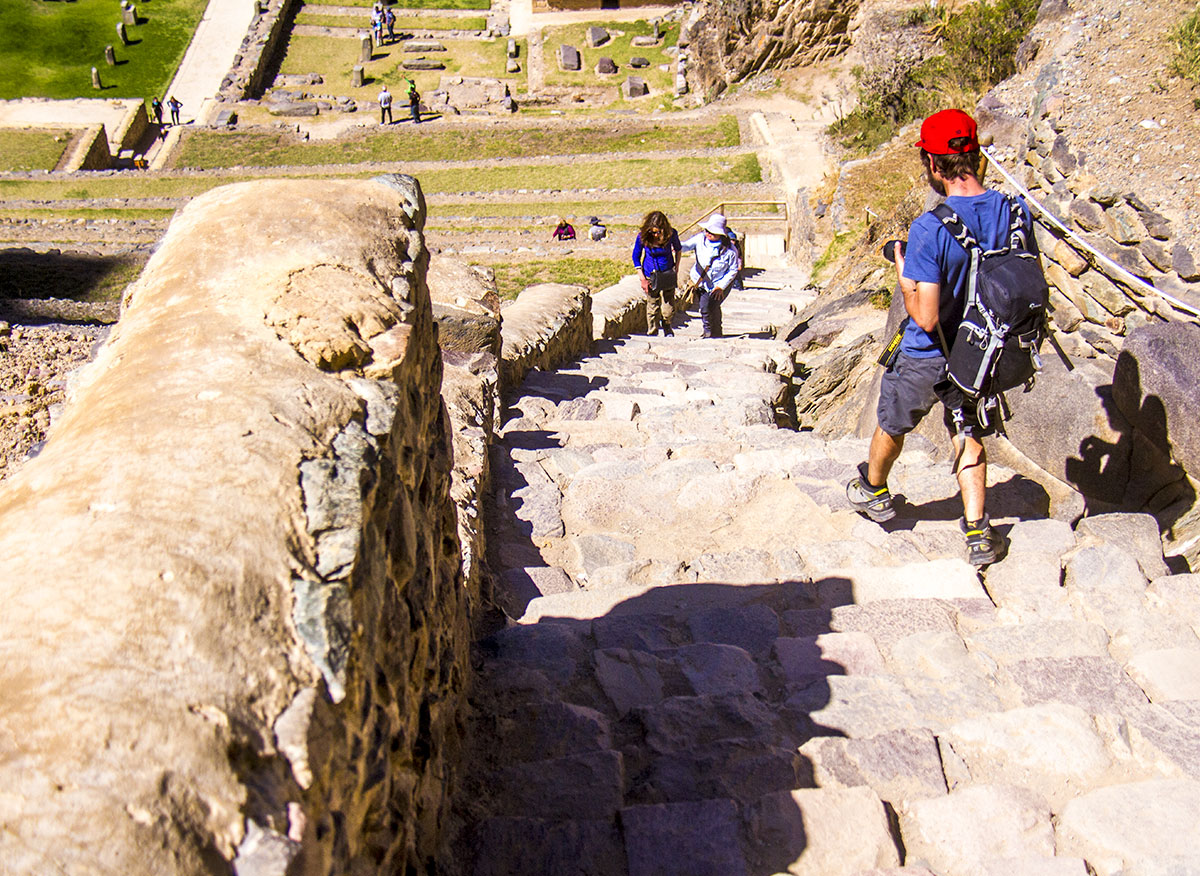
<point>715,224</point>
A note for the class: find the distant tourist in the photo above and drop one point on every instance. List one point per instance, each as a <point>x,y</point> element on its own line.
<point>377,26</point>
<point>385,106</point>
<point>563,230</point>
<point>597,231</point>
<point>414,102</point>
<point>389,20</point>
<point>174,105</point>
<point>656,251</point>
<point>717,269</point>
<point>156,108</point>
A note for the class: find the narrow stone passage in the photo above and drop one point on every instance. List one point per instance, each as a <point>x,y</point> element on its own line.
<point>716,667</point>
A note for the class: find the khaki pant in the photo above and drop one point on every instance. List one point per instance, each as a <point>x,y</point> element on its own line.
<point>660,307</point>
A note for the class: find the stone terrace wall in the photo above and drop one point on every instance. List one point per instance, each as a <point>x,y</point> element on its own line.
<point>234,627</point>
<point>247,78</point>
<point>548,324</point>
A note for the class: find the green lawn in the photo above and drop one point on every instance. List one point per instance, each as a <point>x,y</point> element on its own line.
<point>424,22</point>
<point>212,149</point>
<point>335,57</point>
<point>31,149</point>
<point>613,174</point>
<point>595,274</point>
<point>48,49</point>
<point>619,48</point>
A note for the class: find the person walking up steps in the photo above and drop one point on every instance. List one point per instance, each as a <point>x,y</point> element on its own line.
<point>717,270</point>
<point>656,252</point>
<point>385,106</point>
<point>174,105</point>
<point>933,280</point>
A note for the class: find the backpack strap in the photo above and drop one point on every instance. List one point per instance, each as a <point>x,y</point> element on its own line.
<point>962,235</point>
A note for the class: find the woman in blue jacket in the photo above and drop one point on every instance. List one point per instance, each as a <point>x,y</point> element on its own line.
<point>717,269</point>
<point>656,254</point>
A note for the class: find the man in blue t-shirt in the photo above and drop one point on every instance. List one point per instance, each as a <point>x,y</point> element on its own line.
<point>933,280</point>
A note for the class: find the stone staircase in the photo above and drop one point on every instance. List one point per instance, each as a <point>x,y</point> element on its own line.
<point>714,666</point>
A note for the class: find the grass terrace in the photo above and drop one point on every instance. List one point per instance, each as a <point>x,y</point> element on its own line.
<point>49,49</point>
<point>595,274</point>
<point>204,149</point>
<point>619,48</point>
<point>335,57</point>
<point>424,22</point>
<point>600,175</point>
<point>31,149</point>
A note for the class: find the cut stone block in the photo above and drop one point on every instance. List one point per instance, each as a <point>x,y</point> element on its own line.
<point>422,64</point>
<point>1136,533</point>
<point>597,36</point>
<point>821,832</point>
<point>606,67</point>
<point>959,834</point>
<point>717,669</point>
<point>1053,638</point>
<point>568,58</point>
<point>634,87</point>
<point>937,579</point>
<point>683,839</point>
<point>644,41</point>
<point>808,659</point>
<point>900,765</point>
<point>678,723</point>
<point>1133,827</point>
<point>548,729</point>
<point>1095,684</point>
<point>638,63</point>
<point>740,769</point>
<point>583,786</point>
<point>420,47</point>
<point>1053,749</point>
<point>752,627</point>
<point>507,845</point>
<point>629,678</point>
<point>864,705</point>
<point>1167,674</point>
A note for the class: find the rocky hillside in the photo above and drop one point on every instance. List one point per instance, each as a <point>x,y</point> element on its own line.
<point>1095,128</point>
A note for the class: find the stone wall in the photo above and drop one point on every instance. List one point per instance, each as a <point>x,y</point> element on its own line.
<point>235,627</point>
<point>547,325</point>
<point>247,78</point>
<point>728,41</point>
<point>90,151</point>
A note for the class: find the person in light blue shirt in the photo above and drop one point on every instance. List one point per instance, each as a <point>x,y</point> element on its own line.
<point>717,270</point>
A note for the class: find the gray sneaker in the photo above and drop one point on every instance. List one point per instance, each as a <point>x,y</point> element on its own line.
<point>984,544</point>
<point>875,502</point>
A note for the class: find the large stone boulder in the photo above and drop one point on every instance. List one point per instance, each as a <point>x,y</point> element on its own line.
<point>234,627</point>
<point>1156,386</point>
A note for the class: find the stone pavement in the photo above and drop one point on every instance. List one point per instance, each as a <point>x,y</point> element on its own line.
<point>209,57</point>
<point>715,667</point>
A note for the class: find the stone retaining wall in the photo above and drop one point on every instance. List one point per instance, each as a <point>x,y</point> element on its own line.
<point>90,151</point>
<point>547,325</point>
<point>247,78</point>
<point>235,627</point>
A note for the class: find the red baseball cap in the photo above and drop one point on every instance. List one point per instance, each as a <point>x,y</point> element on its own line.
<point>940,128</point>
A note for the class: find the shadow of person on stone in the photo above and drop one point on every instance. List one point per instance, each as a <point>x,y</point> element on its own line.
<point>1017,496</point>
<point>672,732</point>
<point>1137,472</point>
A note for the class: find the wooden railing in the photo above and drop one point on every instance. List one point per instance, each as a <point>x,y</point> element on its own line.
<point>737,219</point>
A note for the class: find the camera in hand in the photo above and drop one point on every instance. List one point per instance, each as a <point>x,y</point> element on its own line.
<point>889,250</point>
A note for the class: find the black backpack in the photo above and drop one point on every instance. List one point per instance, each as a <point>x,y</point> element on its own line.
<point>1004,315</point>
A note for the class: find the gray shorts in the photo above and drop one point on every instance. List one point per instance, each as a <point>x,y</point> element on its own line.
<point>910,389</point>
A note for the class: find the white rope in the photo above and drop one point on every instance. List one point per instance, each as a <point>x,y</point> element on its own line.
<point>1049,218</point>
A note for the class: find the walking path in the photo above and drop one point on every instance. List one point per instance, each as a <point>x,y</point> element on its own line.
<point>719,668</point>
<point>209,57</point>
